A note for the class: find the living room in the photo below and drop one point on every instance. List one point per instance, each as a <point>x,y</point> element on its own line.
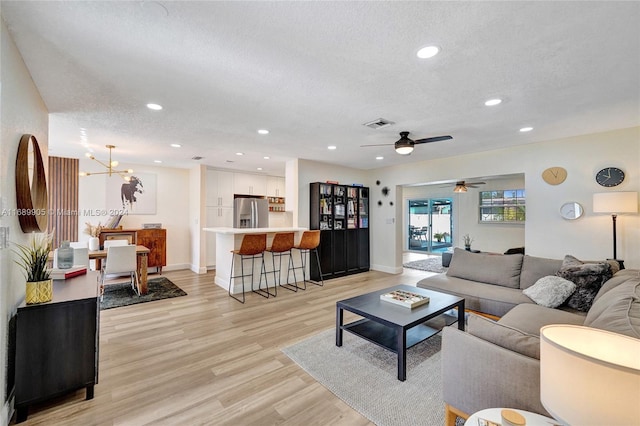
<point>546,234</point>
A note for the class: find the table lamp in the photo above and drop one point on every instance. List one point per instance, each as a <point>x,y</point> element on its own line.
<point>589,376</point>
<point>614,203</point>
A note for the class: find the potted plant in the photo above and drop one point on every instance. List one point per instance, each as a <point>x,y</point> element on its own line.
<point>94,232</point>
<point>467,241</point>
<point>33,259</point>
<point>439,236</point>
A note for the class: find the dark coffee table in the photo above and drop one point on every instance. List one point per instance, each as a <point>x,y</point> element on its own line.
<point>397,328</point>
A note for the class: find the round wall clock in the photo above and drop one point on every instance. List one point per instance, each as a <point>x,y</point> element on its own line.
<point>571,210</point>
<point>610,176</point>
<point>554,175</point>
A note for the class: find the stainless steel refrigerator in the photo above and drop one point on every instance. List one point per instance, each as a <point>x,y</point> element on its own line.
<point>251,213</point>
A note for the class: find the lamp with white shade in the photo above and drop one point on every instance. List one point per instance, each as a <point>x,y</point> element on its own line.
<point>615,203</point>
<point>589,376</point>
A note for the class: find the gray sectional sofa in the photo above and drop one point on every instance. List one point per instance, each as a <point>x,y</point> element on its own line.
<point>496,363</point>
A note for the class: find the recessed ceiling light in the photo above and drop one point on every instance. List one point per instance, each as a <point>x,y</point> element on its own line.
<point>428,52</point>
<point>157,161</point>
<point>239,153</point>
<point>331,147</point>
<point>266,157</point>
<point>259,168</point>
<point>492,102</point>
<point>526,129</point>
<point>154,107</point>
<point>379,157</point>
<point>176,145</point>
<point>263,131</point>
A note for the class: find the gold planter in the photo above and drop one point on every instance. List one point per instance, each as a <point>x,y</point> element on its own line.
<point>39,291</point>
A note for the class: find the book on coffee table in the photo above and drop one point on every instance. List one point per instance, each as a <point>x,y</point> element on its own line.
<point>405,298</point>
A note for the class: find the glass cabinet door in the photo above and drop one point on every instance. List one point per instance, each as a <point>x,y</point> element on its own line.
<point>339,207</point>
<point>326,207</point>
<point>363,208</point>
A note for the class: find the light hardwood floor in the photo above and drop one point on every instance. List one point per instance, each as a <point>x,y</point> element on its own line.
<point>206,359</point>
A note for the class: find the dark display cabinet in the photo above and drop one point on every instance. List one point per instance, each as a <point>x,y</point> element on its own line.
<point>341,213</point>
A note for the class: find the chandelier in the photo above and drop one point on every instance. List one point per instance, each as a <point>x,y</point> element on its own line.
<point>110,166</point>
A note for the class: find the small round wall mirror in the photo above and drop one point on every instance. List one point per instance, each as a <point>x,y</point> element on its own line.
<point>571,210</point>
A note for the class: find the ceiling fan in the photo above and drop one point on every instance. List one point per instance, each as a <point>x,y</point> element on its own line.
<point>461,186</point>
<point>404,145</point>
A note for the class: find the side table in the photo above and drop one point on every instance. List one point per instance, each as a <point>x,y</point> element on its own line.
<point>493,414</point>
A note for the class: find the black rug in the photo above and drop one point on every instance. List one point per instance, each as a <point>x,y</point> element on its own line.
<point>116,295</point>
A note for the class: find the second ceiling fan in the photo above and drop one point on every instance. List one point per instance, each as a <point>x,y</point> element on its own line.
<point>404,145</point>
<point>461,185</point>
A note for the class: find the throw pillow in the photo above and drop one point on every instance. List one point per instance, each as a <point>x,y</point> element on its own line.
<point>504,336</point>
<point>550,291</point>
<point>588,277</point>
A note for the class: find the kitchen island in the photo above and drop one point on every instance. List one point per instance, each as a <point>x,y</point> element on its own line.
<point>228,239</point>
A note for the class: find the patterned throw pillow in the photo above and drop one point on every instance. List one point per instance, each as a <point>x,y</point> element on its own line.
<point>588,277</point>
<point>550,291</point>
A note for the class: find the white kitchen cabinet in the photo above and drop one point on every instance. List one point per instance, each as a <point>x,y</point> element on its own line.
<point>275,186</point>
<point>219,188</point>
<point>249,184</point>
<point>216,217</point>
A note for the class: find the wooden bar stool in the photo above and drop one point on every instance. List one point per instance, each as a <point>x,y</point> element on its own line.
<point>309,242</point>
<point>251,248</point>
<point>281,245</point>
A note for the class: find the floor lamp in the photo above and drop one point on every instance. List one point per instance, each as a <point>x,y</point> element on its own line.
<point>614,203</point>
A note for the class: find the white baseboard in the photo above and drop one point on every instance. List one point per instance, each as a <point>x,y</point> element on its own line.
<point>176,267</point>
<point>387,269</point>
<point>197,270</point>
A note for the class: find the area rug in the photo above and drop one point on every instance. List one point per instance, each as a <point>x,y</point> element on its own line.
<point>364,376</point>
<point>432,264</point>
<point>116,295</point>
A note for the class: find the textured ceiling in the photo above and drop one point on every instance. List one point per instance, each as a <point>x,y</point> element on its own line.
<point>314,72</point>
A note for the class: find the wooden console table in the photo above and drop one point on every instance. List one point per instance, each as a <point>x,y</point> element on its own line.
<point>154,239</point>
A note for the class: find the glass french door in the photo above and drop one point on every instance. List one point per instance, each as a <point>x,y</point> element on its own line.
<point>430,225</point>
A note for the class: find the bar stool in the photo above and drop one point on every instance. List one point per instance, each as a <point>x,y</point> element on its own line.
<point>309,242</point>
<point>252,247</point>
<point>281,245</point>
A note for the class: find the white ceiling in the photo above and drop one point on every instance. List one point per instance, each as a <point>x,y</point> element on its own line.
<point>314,72</point>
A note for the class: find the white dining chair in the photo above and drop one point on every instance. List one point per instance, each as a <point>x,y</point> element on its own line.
<point>121,259</point>
<point>81,257</point>
<point>113,243</point>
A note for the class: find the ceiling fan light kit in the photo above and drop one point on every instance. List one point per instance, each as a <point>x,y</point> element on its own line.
<point>460,188</point>
<point>109,166</point>
<point>404,145</point>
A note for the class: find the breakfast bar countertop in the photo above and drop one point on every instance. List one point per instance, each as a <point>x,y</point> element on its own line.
<point>235,231</point>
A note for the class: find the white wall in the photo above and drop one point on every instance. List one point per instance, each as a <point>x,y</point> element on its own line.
<point>546,233</point>
<point>21,111</point>
<point>172,208</point>
<point>313,171</point>
<point>197,218</point>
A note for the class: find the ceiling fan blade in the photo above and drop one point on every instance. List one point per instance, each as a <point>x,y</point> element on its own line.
<point>434,139</point>
<point>379,144</point>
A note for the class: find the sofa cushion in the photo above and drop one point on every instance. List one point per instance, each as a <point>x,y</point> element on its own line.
<point>550,291</point>
<point>617,279</point>
<point>618,310</point>
<point>498,269</point>
<point>588,277</point>
<point>488,298</point>
<point>530,318</point>
<point>504,336</point>
<point>534,268</point>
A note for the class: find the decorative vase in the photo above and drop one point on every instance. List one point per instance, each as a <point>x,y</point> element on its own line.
<point>39,291</point>
<point>65,256</point>
<point>94,244</point>
<point>467,248</point>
